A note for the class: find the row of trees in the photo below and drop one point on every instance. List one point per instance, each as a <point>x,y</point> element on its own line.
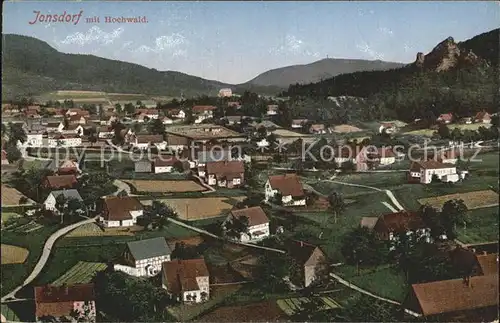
<point>467,135</point>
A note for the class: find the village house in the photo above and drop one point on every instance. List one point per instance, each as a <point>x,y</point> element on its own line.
<point>468,299</point>
<point>298,123</point>
<point>187,136</point>
<point>120,211</point>
<point>272,110</point>
<point>187,280</point>
<point>55,182</point>
<point>422,172</point>
<point>60,140</point>
<point>143,142</point>
<point>482,117</point>
<point>446,157</point>
<point>317,128</point>
<point>203,112</point>
<point>72,129</point>
<point>77,111</point>
<point>290,188</point>
<point>105,132</point>
<point>262,144</point>
<point>146,256</point>
<point>225,93</point>
<point>150,113</point>
<point>143,166</point>
<point>389,226</point>
<point>258,223</point>
<point>51,201</point>
<point>76,119</point>
<point>467,120</point>
<point>33,139</point>
<point>64,167</point>
<point>445,118</point>
<point>62,301</point>
<point>54,126</point>
<point>233,104</point>
<point>388,128</point>
<point>5,159</point>
<point>310,258</point>
<point>166,164</point>
<point>166,120</point>
<point>176,113</point>
<point>228,174</point>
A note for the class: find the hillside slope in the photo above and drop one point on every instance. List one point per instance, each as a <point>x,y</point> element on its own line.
<point>31,66</point>
<point>317,71</point>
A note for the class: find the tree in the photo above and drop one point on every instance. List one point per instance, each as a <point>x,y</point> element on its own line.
<point>432,219</point>
<point>157,127</point>
<point>272,270</point>
<point>137,127</point>
<point>435,179</point>
<point>453,212</point>
<point>362,246</point>
<point>68,208</point>
<point>118,108</point>
<point>178,167</point>
<point>367,309</point>
<point>443,131</point>
<point>129,108</point>
<point>237,226</point>
<point>16,133</point>
<point>348,166</point>
<point>336,204</point>
<point>13,153</point>
<point>277,199</point>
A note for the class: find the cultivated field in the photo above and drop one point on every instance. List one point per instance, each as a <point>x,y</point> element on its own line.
<point>473,200</point>
<point>293,305</point>
<point>11,196</point>
<point>345,128</point>
<point>266,311</point>
<point>287,133</point>
<point>473,126</point>
<point>199,208</point>
<point>81,273</point>
<point>13,254</point>
<point>93,230</point>
<point>8,215</point>
<point>165,186</point>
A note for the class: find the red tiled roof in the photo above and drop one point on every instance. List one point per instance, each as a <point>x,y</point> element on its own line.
<point>61,181</point>
<point>147,111</point>
<point>447,296</point>
<point>4,155</point>
<point>118,208</point>
<point>180,275</point>
<point>226,168</point>
<point>165,161</point>
<point>255,215</point>
<point>488,263</point>
<point>203,108</point>
<point>233,104</point>
<point>433,164</point>
<point>58,301</point>
<point>482,116</point>
<point>154,139</point>
<point>287,184</point>
<point>446,116</point>
<point>399,222</point>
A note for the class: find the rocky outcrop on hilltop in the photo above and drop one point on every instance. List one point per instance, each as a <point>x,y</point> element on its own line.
<point>447,55</point>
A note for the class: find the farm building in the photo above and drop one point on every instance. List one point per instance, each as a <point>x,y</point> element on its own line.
<point>469,299</point>
<point>179,137</point>
<point>445,118</point>
<point>483,117</point>
<point>63,300</point>
<point>120,211</point>
<point>422,172</point>
<point>258,223</point>
<point>228,174</point>
<point>146,256</point>
<point>60,181</point>
<point>186,280</point>
<point>310,258</point>
<point>290,188</point>
<point>51,201</point>
<point>145,141</point>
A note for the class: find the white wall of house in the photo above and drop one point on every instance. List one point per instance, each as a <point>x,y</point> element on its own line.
<point>163,169</point>
<point>151,266</point>
<point>450,161</point>
<point>387,160</point>
<point>426,174</point>
<point>211,180</point>
<point>262,143</point>
<point>341,160</point>
<point>269,192</point>
<point>66,142</point>
<point>264,228</point>
<point>127,269</point>
<point>167,121</point>
<point>50,202</point>
<point>296,126</point>
<point>86,307</point>
<point>180,115</point>
<point>33,140</point>
<point>288,200</point>
<point>106,134</point>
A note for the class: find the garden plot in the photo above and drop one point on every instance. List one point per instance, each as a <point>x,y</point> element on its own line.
<point>165,186</point>
<point>199,208</point>
<point>292,306</point>
<point>473,200</point>
<point>13,254</point>
<point>81,273</point>
<point>93,230</point>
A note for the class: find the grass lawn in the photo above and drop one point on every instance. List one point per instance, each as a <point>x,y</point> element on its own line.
<point>7,215</point>
<point>81,273</point>
<point>379,180</point>
<point>331,239</point>
<point>384,280</point>
<point>14,274</point>
<point>483,226</point>
<point>8,313</point>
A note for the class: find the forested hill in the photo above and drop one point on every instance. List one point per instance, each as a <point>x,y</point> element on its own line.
<point>31,66</point>
<point>456,77</point>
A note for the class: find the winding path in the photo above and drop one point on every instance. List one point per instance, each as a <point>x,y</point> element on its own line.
<point>45,256</point>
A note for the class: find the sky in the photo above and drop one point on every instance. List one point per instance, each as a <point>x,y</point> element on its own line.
<point>233,42</point>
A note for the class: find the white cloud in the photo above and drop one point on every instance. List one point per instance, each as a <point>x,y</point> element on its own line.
<point>293,45</point>
<point>365,48</point>
<point>385,31</point>
<point>174,43</point>
<point>93,35</point>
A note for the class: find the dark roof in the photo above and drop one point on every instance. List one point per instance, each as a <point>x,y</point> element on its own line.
<point>149,248</point>
<point>180,275</point>
<point>255,215</point>
<point>287,184</point>
<point>72,193</point>
<point>454,295</point>
<point>433,164</point>
<point>149,139</point>
<point>58,301</point>
<point>202,108</point>
<point>165,161</point>
<point>399,222</point>
<point>119,207</point>
<point>300,251</point>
